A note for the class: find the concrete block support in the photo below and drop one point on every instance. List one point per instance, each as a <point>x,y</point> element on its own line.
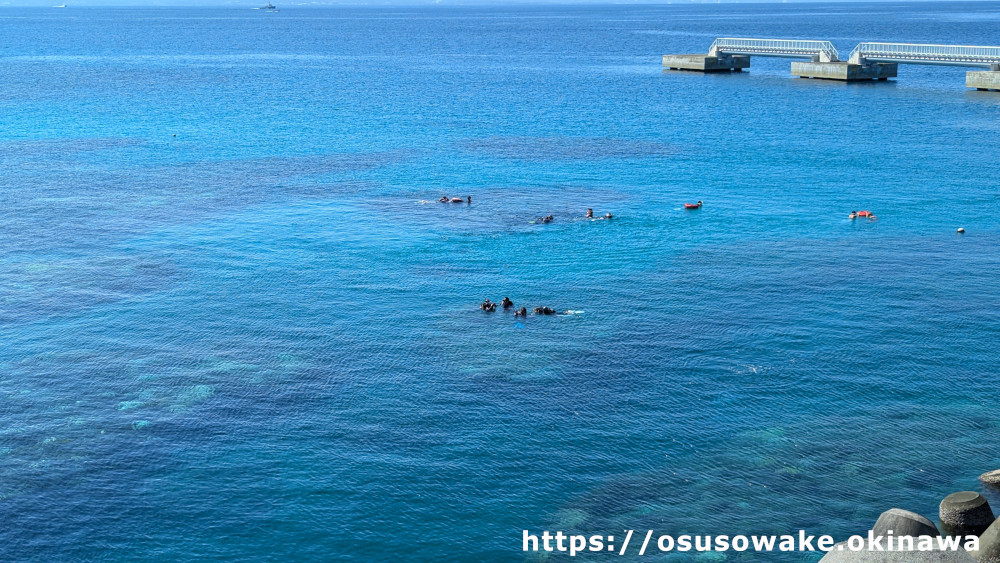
<point>904,523</point>
<point>965,513</point>
<point>842,554</point>
<point>705,63</point>
<point>989,545</point>
<point>983,80</point>
<point>844,71</point>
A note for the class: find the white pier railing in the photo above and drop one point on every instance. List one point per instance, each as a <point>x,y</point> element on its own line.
<point>822,51</point>
<point>954,55</point>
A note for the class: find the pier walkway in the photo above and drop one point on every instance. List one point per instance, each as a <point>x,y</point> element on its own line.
<point>914,53</point>
<point>790,48</point>
<point>867,61</point>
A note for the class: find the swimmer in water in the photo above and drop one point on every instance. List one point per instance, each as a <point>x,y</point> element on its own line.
<point>522,312</point>
<point>590,213</point>
<point>468,200</point>
<point>506,303</point>
<point>443,200</point>
<point>608,216</point>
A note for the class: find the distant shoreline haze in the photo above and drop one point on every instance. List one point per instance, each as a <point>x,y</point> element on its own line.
<point>443,3</point>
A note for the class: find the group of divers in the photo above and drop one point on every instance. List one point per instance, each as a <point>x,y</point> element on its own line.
<point>864,214</point>
<point>546,219</point>
<point>490,307</point>
<point>590,215</point>
<point>506,303</point>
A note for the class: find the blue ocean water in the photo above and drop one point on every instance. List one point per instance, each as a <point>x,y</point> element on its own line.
<point>232,327</point>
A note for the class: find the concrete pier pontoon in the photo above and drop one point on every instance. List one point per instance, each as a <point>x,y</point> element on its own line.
<point>706,63</point>
<point>982,80</point>
<point>868,61</point>
<point>733,53</point>
<point>845,71</point>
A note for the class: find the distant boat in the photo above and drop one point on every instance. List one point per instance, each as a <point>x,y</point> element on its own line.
<point>270,7</point>
<point>60,6</point>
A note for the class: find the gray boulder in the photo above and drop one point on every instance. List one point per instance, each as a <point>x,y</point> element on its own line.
<point>989,545</point>
<point>991,478</point>
<point>841,553</point>
<point>903,523</point>
<point>965,513</point>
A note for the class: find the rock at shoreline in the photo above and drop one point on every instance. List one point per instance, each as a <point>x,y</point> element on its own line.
<point>991,478</point>
<point>901,523</point>
<point>848,556</point>
<point>965,513</point>
<point>904,523</point>
<point>989,545</point>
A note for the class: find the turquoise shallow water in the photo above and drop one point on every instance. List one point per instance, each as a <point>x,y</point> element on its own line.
<point>230,328</point>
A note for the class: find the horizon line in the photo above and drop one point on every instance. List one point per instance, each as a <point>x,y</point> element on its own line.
<point>242,4</point>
